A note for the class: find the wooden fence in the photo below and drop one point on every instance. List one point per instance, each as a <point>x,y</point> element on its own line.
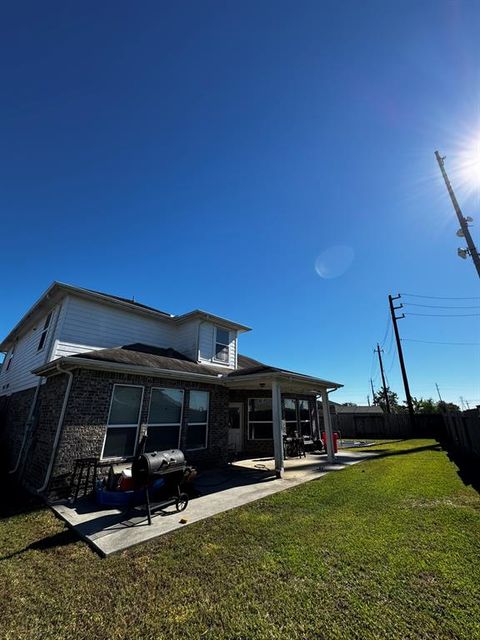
<point>463,432</point>
<point>459,431</point>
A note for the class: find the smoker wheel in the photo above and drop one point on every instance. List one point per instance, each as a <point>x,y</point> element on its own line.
<point>182,502</point>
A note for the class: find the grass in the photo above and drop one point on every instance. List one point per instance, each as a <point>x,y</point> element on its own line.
<point>388,548</point>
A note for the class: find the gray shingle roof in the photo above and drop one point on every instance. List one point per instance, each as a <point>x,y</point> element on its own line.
<point>148,356</point>
<point>144,355</point>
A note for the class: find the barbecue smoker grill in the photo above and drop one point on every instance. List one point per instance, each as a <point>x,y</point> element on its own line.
<point>168,466</point>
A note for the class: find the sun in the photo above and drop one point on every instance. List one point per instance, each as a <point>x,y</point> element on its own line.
<point>470,163</point>
<point>464,167</point>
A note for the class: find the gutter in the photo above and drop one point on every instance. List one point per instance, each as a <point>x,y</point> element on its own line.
<point>59,428</point>
<point>219,378</point>
<point>87,363</point>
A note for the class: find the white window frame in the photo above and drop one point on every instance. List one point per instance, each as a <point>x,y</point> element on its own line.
<point>123,426</point>
<point>44,333</point>
<point>199,424</point>
<point>9,357</point>
<point>258,421</point>
<point>215,342</point>
<point>169,424</point>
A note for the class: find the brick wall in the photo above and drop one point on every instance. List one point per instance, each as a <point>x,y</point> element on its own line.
<point>14,410</point>
<point>85,420</point>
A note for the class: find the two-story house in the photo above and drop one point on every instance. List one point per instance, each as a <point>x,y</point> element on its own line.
<point>88,374</point>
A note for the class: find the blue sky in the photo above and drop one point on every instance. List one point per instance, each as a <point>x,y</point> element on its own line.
<point>205,154</point>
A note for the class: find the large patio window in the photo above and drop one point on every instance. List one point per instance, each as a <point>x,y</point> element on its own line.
<point>197,430</point>
<point>123,419</point>
<point>164,419</point>
<point>297,417</point>
<point>305,418</point>
<point>260,421</point>
<point>290,414</point>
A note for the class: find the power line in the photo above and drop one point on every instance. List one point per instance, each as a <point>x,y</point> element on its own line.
<point>463,344</point>
<point>436,306</point>
<point>390,344</point>
<point>390,366</point>
<point>387,328</point>
<point>416,295</point>
<point>444,315</point>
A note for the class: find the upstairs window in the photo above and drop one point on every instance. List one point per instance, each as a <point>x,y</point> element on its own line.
<point>9,358</point>
<point>222,341</point>
<point>43,335</point>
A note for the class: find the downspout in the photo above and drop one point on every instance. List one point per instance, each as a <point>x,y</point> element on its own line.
<point>28,423</point>
<point>59,428</point>
<point>198,339</point>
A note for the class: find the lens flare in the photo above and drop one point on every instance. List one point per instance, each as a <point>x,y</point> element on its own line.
<point>334,261</point>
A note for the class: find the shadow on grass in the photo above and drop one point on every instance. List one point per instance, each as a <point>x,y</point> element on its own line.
<point>468,467</point>
<point>14,500</point>
<point>62,539</point>
<point>387,453</point>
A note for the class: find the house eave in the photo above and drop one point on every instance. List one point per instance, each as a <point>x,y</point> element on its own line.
<point>282,376</point>
<point>72,362</point>
<point>205,315</point>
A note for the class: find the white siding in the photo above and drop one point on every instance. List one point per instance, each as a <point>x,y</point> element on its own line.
<point>91,325</point>
<point>207,346</point>
<point>80,325</point>
<point>64,349</point>
<point>27,356</point>
<point>186,339</point>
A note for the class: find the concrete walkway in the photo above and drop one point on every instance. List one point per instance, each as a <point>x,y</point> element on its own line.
<point>108,531</point>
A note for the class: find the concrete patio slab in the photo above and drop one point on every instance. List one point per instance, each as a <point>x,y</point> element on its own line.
<point>111,530</point>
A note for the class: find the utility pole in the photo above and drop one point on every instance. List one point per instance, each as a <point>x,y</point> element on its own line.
<point>464,231</point>
<point>385,393</point>
<point>438,391</point>
<point>400,357</point>
<point>368,400</point>
<point>373,391</point>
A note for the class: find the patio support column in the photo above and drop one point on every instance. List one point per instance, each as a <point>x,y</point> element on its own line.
<point>277,428</point>
<point>328,426</point>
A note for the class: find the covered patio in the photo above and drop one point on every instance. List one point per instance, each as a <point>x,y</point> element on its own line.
<point>283,383</point>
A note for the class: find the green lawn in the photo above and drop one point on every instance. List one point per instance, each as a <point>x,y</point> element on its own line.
<point>388,548</point>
